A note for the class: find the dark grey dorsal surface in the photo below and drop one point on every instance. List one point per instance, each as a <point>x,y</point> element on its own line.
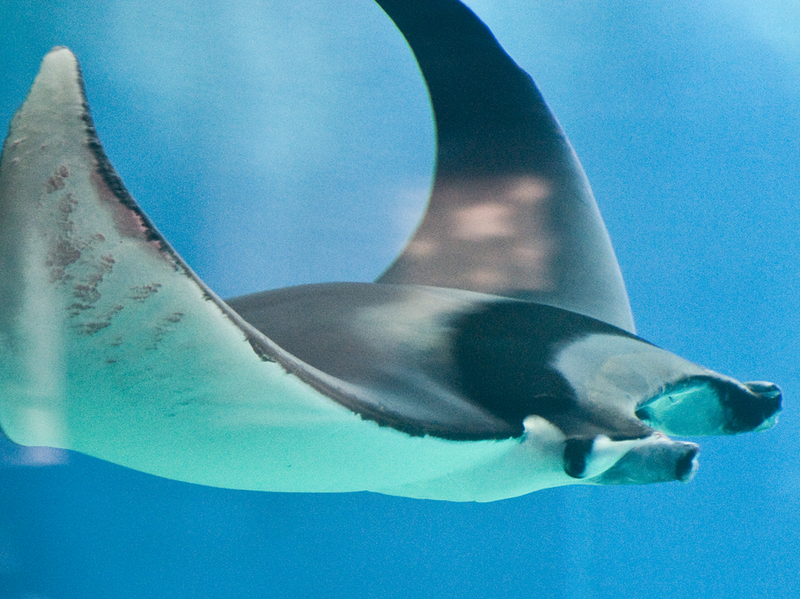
<point>447,363</point>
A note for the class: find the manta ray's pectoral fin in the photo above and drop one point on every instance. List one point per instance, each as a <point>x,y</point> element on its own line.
<point>511,212</point>
<point>109,344</point>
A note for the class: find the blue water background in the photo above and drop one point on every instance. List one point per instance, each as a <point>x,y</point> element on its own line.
<point>285,142</point>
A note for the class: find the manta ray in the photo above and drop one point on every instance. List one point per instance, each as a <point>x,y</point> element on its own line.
<point>495,357</point>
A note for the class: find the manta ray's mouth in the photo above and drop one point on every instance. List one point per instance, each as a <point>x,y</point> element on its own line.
<point>706,405</point>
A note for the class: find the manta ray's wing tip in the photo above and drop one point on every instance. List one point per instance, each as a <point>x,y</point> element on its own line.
<point>58,60</point>
<point>58,85</point>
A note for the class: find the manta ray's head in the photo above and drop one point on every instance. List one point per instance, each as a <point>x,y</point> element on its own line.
<point>631,395</point>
